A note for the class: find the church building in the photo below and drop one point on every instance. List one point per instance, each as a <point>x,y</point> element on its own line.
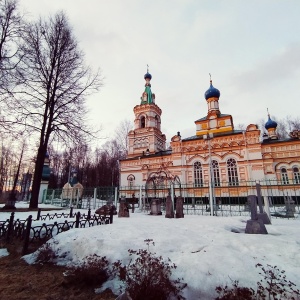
<point>217,156</point>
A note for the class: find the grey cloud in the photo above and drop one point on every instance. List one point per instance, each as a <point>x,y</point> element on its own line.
<point>281,67</point>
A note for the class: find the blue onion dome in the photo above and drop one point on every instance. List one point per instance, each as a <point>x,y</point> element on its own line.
<point>148,76</point>
<point>212,92</point>
<point>270,123</point>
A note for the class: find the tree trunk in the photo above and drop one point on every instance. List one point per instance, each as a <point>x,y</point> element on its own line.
<point>37,177</point>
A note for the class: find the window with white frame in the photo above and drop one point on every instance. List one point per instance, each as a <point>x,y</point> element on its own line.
<point>131,180</point>
<point>198,176</point>
<point>233,178</point>
<point>296,175</point>
<point>284,176</point>
<point>216,172</point>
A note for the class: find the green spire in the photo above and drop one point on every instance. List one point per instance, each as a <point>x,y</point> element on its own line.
<point>147,97</point>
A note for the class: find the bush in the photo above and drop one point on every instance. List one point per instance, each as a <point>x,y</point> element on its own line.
<point>235,292</point>
<point>273,286</point>
<point>147,276</point>
<point>46,254</point>
<point>94,271</point>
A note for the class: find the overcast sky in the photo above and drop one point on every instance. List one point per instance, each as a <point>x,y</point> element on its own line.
<point>251,48</point>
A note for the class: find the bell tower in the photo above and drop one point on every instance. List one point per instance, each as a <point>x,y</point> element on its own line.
<point>214,122</point>
<point>146,138</point>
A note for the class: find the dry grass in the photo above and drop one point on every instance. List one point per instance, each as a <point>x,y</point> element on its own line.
<point>19,280</point>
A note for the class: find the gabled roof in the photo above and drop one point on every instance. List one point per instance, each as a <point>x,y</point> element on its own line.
<point>218,134</point>
<point>156,154</point>
<point>219,116</point>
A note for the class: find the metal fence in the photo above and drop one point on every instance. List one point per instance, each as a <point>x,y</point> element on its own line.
<point>87,198</point>
<point>230,199</point>
<point>28,233</point>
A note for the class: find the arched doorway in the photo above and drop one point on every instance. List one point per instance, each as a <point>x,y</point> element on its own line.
<point>159,186</point>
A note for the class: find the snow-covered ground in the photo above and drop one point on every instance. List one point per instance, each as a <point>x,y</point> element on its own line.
<point>204,248</point>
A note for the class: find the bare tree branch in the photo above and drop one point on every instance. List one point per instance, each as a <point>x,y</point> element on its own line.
<point>55,84</point>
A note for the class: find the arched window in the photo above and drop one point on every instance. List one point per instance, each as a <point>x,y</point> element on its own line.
<point>284,176</point>
<point>198,178</point>
<point>130,180</point>
<point>233,178</point>
<point>216,172</point>
<point>296,175</point>
<point>143,122</point>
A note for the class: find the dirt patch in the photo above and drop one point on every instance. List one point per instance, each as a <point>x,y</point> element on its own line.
<point>19,280</point>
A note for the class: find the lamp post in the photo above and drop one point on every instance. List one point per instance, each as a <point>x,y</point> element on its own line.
<point>212,200</point>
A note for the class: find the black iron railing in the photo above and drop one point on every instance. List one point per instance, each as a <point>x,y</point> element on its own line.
<point>24,230</point>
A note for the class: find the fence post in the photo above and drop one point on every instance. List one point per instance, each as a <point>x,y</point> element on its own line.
<point>140,198</point>
<point>71,212</point>
<point>43,195</point>
<point>95,195</point>
<point>116,197</point>
<point>89,214</point>
<point>111,215</point>
<point>172,196</point>
<point>10,226</point>
<point>27,235</point>
<point>77,198</point>
<point>38,214</point>
<point>51,198</point>
<point>77,220</point>
<point>89,202</point>
<point>71,197</point>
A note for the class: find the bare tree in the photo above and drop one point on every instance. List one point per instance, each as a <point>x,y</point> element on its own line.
<point>241,126</point>
<point>282,129</point>
<point>293,123</point>
<point>11,28</point>
<point>6,163</point>
<point>114,153</point>
<point>284,126</point>
<point>55,83</point>
<point>121,135</point>
<point>12,196</point>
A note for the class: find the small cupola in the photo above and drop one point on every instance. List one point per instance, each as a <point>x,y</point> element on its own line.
<point>270,124</point>
<point>212,92</point>
<point>271,128</point>
<point>147,76</point>
<point>147,97</point>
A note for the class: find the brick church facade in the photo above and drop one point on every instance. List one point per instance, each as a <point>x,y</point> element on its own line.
<point>217,156</point>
